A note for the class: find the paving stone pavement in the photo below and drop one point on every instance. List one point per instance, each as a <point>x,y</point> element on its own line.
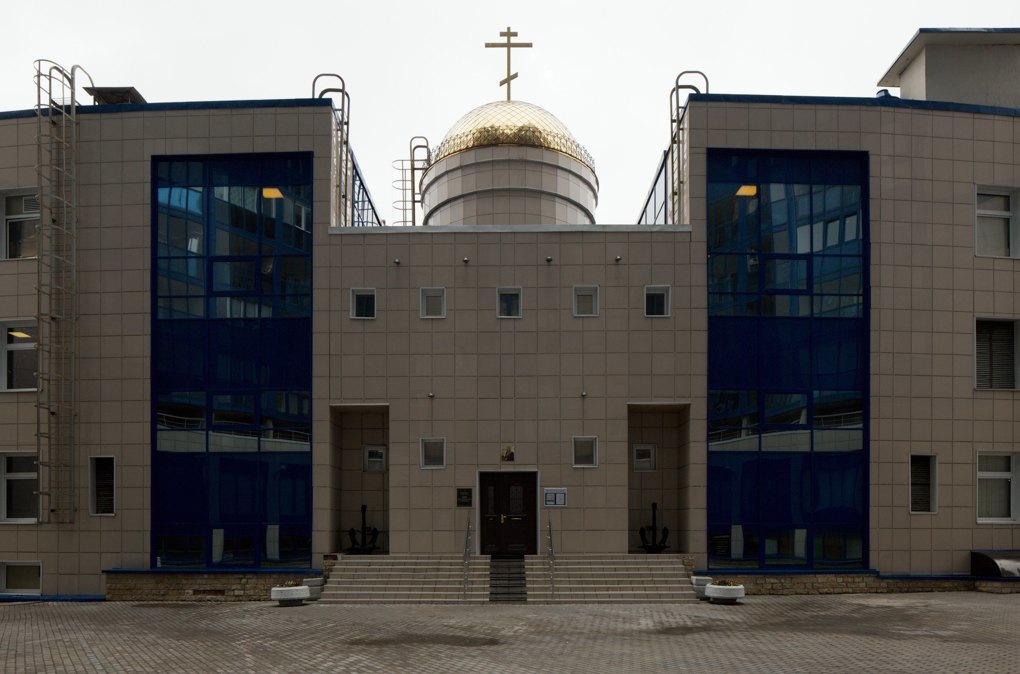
<point>939,632</point>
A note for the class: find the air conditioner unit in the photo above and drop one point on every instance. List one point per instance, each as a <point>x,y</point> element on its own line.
<point>30,203</point>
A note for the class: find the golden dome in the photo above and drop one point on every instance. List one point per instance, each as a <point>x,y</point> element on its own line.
<point>511,123</point>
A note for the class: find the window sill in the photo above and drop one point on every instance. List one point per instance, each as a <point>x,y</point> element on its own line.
<point>18,390</point>
<point>34,520</point>
<point>17,259</point>
<point>102,514</point>
<point>518,317</point>
<point>586,465</point>
<point>433,467</point>
<point>998,520</point>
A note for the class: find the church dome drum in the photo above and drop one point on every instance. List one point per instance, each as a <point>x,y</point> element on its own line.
<point>509,163</point>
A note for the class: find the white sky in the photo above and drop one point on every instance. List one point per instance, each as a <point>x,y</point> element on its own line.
<point>604,68</point>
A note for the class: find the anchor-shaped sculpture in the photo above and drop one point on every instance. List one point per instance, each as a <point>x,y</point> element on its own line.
<point>368,537</point>
<point>657,545</point>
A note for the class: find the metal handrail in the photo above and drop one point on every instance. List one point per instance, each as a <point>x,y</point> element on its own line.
<point>467,553</point>
<point>551,555</point>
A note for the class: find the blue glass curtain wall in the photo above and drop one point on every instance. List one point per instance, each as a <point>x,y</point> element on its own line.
<point>231,373</point>
<point>787,359</point>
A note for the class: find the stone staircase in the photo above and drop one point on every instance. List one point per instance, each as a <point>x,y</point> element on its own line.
<point>609,579</point>
<point>407,579</point>
<point>575,579</point>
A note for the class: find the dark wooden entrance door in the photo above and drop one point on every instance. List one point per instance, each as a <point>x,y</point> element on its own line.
<point>509,519</point>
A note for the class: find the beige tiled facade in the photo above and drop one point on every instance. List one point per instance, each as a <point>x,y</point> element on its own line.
<point>533,383</point>
<point>928,288</point>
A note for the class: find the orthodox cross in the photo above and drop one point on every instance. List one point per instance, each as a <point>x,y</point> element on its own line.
<point>508,45</point>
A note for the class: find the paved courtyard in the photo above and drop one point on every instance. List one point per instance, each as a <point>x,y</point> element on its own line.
<point>950,632</point>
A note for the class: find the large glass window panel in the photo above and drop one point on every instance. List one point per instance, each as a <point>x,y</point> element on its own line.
<point>177,548</point>
<point>786,408</point>
<point>992,236</point>
<point>838,409</point>
<point>732,220</point>
<point>786,273</point>
<point>181,410</point>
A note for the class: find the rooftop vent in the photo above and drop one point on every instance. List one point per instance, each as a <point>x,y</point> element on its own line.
<point>114,95</point>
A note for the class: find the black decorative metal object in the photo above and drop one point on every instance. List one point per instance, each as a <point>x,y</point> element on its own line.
<point>658,543</point>
<point>369,537</point>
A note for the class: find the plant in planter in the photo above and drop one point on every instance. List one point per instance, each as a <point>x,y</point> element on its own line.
<point>724,591</point>
<point>290,593</point>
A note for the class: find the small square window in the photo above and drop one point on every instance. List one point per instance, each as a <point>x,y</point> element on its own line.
<point>509,303</point>
<point>433,303</point>
<point>656,301</point>
<point>433,452</point>
<point>644,458</point>
<point>20,578</point>
<point>102,483</point>
<point>586,451</point>
<point>363,303</point>
<point>922,483</point>
<point>375,459</point>
<point>586,301</point>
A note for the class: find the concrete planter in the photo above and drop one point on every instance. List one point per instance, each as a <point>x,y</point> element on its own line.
<point>290,596</point>
<point>314,586</point>
<point>724,594</point>
<point>700,582</point>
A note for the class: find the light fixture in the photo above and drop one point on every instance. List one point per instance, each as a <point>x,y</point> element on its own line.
<point>272,193</point>
<point>19,334</point>
<point>548,258</point>
<point>466,260</point>
<point>396,260</point>
<point>747,191</point>
<point>619,257</point>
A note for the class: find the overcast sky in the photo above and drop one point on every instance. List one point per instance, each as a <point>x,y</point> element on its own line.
<point>414,68</point>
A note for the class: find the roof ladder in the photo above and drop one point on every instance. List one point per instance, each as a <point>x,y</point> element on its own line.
<point>57,294</point>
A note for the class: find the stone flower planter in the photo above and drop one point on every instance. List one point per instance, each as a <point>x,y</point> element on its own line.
<point>290,596</point>
<point>724,594</point>
<point>700,582</point>
<point>314,586</point>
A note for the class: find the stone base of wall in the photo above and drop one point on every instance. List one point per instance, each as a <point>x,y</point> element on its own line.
<point>859,583</point>
<point>169,586</point>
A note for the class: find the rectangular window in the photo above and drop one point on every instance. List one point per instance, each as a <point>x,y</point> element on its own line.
<point>20,578</point>
<point>19,487</point>
<point>993,231</point>
<point>996,487</point>
<point>433,452</point>
<point>433,303</point>
<point>20,218</point>
<point>17,353</point>
<point>363,303</point>
<point>375,459</point>
<point>101,485</point>
<point>586,451</point>
<point>586,300</point>
<point>995,354</point>
<point>656,301</point>
<point>644,458</point>
<point>509,303</point>
<point>922,483</point>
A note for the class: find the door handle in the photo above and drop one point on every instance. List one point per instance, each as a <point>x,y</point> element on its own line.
<point>502,518</point>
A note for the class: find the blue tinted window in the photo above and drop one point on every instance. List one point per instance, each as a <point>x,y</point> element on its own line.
<point>787,358</point>
<point>232,385</point>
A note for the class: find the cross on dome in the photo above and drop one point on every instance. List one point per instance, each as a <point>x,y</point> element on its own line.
<point>508,45</point>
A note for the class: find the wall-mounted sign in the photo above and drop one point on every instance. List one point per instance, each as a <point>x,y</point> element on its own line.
<point>463,497</point>
<point>555,497</point>
<point>507,455</point>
